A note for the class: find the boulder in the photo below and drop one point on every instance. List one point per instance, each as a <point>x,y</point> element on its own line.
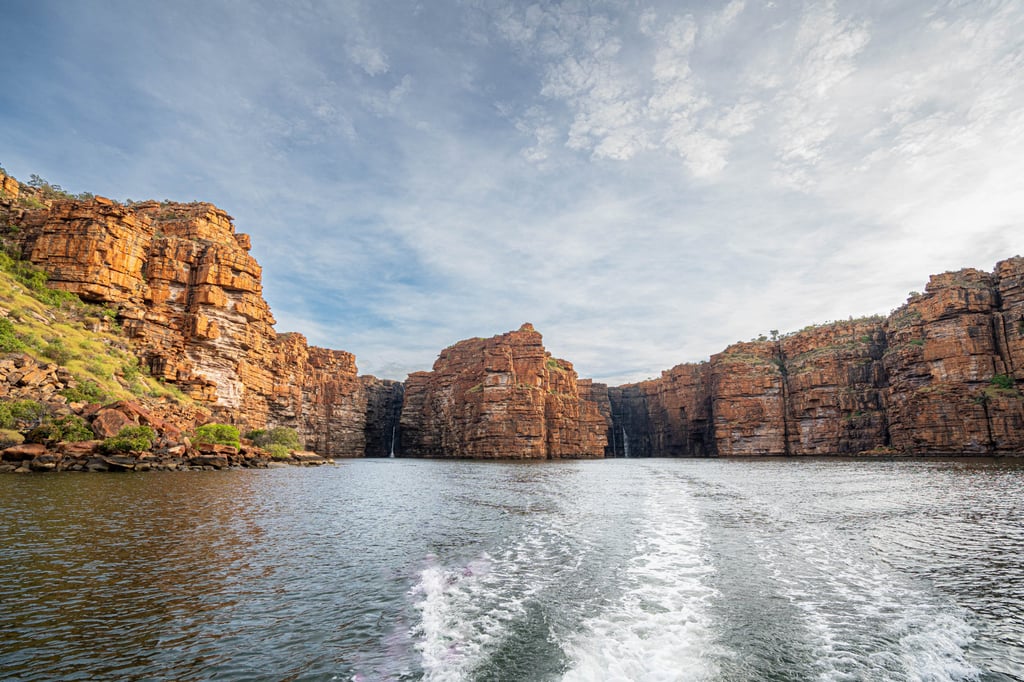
<point>25,451</point>
<point>109,422</point>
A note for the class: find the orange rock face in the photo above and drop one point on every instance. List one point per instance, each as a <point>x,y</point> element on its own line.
<point>956,363</point>
<point>503,397</point>
<point>190,297</point>
<point>941,375</point>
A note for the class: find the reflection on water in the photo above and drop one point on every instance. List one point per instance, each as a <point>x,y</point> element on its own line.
<point>409,570</point>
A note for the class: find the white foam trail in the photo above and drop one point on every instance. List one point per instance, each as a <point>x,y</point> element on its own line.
<point>659,630</point>
<point>465,612</point>
<point>454,629</point>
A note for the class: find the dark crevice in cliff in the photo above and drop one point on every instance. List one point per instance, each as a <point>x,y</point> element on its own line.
<point>383,412</point>
<point>787,426</point>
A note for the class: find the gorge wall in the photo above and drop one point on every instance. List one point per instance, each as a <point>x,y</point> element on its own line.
<point>502,397</point>
<point>189,296</point>
<point>942,374</point>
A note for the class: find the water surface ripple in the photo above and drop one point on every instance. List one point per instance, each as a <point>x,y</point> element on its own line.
<point>450,571</point>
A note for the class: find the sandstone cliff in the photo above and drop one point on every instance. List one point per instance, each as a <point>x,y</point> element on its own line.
<point>190,298</point>
<point>940,375</point>
<point>502,397</point>
<point>955,361</point>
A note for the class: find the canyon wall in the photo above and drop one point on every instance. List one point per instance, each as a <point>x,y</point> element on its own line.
<point>189,296</point>
<point>940,375</point>
<point>502,397</point>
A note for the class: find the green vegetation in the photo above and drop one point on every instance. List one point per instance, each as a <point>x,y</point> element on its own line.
<point>130,439</point>
<point>20,413</point>
<point>554,365</point>
<point>476,389</point>
<point>916,342</point>
<point>67,428</point>
<point>1003,381</point>
<point>280,435</point>
<point>278,451</point>
<point>30,202</point>
<point>9,341</point>
<point>87,391</point>
<point>217,434</point>
<point>55,326</point>
<point>50,191</point>
<point>34,279</point>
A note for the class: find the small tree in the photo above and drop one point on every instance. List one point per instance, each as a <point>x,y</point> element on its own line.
<point>279,435</point>
<point>217,434</point>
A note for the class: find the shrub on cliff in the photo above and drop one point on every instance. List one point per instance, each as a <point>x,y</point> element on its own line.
<point>9,341</point>
<point>34,279</point>
<point>279,435</point>
<point>217,434</point>
<point>20,413</point>
<point>1003,381</point>
<point>130,439</point>
<point>87,391</point>
<point>69,428</point>
<point>278,451</point>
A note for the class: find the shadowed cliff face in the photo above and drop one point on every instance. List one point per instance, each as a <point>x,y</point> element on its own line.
<point>503,397</point>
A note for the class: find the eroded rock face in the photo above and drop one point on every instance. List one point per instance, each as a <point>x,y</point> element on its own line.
<point>941,375</point>
<point>955,364</point>
<point>190,297</point>
<point>502,397</point>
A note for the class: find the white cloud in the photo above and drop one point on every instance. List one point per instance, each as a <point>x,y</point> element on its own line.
<point>646,182</point>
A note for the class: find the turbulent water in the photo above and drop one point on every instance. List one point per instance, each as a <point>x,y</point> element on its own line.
<point>603,570</point>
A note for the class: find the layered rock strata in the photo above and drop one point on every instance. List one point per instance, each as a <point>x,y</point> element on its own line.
<point>940,375</point>
<point>502,397</point>
<point>189,296</point>
<point>955,361</point>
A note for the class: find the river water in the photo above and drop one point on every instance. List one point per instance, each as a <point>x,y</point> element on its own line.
<point>445,571</point>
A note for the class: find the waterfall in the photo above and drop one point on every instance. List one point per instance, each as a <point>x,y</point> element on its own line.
<point>393,427</point>
<point>625,442</point>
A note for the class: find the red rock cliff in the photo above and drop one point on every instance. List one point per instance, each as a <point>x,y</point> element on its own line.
<point>940,375</point>
<point>503,397</point>
<point>956,364</point>
<point>190,298</point>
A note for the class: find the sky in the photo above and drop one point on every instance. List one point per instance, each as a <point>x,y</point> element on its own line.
<point>644,182</point>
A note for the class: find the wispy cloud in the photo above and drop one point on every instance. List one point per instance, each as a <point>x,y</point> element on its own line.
<point>645,182</point>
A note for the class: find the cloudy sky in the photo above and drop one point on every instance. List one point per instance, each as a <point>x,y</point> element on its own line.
<point>645,182</point>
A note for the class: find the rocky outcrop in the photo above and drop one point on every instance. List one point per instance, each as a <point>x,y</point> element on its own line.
<point>940,375</point>
<point>955,364</point>
<point>818,391</point>
<point>189,296</point>
<point>502,397</point>
<point>834,384</point>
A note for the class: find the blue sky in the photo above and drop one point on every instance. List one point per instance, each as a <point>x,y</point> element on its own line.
<point>645,182</point>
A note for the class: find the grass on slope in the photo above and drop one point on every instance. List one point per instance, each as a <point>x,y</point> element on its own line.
<point>55,326</point>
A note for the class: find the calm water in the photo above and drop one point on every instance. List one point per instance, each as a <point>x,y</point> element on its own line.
<point>607,570</point>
